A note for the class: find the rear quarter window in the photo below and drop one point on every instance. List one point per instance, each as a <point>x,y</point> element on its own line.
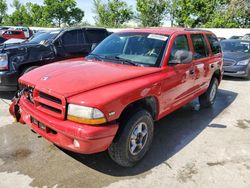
<point>214,44</point>
<point>96,36</point>
<point>200,46</point>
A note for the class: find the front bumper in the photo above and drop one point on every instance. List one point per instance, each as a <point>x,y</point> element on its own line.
<point>237,71</point>
<point>8,81</point>
<point>91,139</point>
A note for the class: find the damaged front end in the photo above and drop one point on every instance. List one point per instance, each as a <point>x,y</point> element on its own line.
<point>14,108</point>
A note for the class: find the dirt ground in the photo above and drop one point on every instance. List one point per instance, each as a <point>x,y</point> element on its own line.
<point>192,148</point>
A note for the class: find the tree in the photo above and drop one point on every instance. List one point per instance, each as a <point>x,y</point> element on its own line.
<point>112,14</point>
<point>61,12</point>
<point>38,15</point>
<point>3,10</point>
<point>151,13</point>
<point>194,13</point>
<point>232,14</point>
<point>20,16</point>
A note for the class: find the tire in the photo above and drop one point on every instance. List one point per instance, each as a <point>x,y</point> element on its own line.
<point>29,69</point>
<point>123,150</point>
<point>208,99</point>
<point>248,76</point>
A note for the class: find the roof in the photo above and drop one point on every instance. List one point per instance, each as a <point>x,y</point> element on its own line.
<point>166,30</point>
<point>236,40</point>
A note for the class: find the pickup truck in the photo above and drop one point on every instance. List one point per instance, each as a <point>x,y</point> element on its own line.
<point>111,99</point>
<point>43,48</point>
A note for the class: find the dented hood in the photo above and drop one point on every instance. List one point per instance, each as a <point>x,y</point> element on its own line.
<point>73,77</point>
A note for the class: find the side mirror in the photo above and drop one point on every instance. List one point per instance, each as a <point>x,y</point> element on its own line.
<point>182,57</point>
<point>94,45</point>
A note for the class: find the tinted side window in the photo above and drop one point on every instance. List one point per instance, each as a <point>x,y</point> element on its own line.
<point>200,47</point>
<point>73,37</point>
<point>180,43</point>
<point>70,38</point>
<point>214,43</point>
<point>81,38</point>
<point>96,36</point>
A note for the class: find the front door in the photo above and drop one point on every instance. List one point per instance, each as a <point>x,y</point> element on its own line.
<point>179,81</point>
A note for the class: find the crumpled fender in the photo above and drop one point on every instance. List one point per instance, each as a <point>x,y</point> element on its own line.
<point>14,107</point>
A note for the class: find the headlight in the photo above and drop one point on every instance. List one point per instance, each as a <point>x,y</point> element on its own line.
<point>245,62</point>
<point>86,115</point>
<point>3,62</point>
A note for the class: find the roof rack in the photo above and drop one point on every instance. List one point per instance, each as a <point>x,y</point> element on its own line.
<point>191,29</point>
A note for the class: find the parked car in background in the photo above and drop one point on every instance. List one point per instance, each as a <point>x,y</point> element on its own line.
<point>3,29</point>
<point>14,41</point>
<point>13,34</point>
<point>27,32</point>
<point>43,48</point>
<point>246,37</point>
<point>221,38</point>
<point>110,99</point>
<point>236,55</point>
<point>235,37</point>
<point>2,40</point>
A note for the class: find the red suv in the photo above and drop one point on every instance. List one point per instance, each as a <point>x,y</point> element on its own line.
<point>110,100</point>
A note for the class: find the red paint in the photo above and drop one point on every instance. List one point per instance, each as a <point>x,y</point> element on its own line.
<point>110,88</point>
<point>13,34</point>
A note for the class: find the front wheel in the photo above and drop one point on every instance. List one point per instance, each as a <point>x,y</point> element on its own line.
<point>133,140</point>
<point>207,99</point>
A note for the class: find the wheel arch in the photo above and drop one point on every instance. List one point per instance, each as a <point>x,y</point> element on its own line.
<point>149,103</point>
<point>217,74</point>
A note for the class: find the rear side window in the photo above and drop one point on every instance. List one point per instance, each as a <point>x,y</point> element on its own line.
<point>96,36</point>
<point>200,47</point>
<point>214,43</point>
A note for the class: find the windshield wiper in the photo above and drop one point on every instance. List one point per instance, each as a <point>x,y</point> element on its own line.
<point>97,56</point>
<point>124,61</point>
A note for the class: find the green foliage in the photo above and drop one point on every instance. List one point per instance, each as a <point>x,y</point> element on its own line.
<point>52,13</point>
<point>3,10</point>
<point>232,14</point>
<point>61,12</point>
<point>194,13</point>
<point>113,13</point>
<point>20,16</point>
<point>151,13</point>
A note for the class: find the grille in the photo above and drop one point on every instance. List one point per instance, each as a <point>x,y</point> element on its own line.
<point>50,98</point>
<point>51,108</point>
<point>47,102</point>
<point>228,62</point>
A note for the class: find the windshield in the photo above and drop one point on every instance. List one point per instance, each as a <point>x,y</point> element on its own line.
<point>235,46</point>
<point>142,49</point>
<point>42,37</point>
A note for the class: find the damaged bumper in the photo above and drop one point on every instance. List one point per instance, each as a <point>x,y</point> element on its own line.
<point>72,136</point>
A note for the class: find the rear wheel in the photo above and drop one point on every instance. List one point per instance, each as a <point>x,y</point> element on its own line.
<point>133,140</point>
<point>248,76</point>
<point>207,99</point>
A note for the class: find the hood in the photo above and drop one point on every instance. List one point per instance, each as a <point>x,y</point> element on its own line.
<point>16,46</point>
<point>237,56</point>
<point>73,77</point>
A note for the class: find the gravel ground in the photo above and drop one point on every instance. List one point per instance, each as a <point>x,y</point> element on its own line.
<point>192,148</point>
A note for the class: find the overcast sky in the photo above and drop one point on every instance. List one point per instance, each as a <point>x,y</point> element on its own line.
<point>85,5</point>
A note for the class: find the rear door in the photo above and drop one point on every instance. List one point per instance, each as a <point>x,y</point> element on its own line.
<point>201,60</point>
<point>73,43</point>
